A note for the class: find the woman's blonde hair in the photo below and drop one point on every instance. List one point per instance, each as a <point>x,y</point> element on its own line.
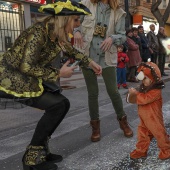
<point>114,4</point>
<point>59,23</point>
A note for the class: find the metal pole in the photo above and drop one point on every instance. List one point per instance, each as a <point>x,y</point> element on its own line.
<point>127,20</point>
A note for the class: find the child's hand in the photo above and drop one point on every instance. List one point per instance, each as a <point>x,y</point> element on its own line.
<point>131,96</point>
<point>122,59</point>
<point>132,91</point>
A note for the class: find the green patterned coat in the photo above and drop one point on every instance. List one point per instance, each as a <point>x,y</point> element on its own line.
<point>23,67</point>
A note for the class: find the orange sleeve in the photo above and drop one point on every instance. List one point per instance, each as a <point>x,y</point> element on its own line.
<point>149,97</point>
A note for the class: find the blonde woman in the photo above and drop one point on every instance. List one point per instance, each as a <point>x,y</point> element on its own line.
<point>99,35</point>
<point>25,67</point>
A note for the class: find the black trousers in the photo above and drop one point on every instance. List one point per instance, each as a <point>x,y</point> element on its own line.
<point>154,57</point>
<point>56,107</point>
<point>161,62</point>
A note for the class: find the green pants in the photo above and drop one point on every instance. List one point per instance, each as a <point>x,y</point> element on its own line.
<point>109,77</point>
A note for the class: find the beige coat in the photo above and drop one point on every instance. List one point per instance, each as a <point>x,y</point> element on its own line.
<point>88,26</point>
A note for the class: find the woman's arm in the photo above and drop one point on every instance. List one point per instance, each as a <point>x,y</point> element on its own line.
<point>149,97</point>
<point>119,37</point>
<point>84,60</point>
<point>30,59</point>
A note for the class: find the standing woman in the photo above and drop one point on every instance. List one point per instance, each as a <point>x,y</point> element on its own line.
<point>99,35</point>
<point>134,56</point>
<point>25,67</point>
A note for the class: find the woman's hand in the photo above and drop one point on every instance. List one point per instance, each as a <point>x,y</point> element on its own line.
<point>78,40</point>
<point>96,68</point>
<point>106,44</point>
<point>66,71</point>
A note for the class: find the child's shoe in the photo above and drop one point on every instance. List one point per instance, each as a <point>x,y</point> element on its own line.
<point>125,86</point>
<point>136,154</point>
<point>164,154</point>
<point>118,86</point>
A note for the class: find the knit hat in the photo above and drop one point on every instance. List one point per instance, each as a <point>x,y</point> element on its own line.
<point>149,70</point>
<point>65,8</point>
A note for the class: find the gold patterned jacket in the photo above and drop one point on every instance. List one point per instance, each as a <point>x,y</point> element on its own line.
<point>23,67</point>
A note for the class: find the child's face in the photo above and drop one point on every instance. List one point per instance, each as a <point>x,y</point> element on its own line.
<point>146,81</point>
<point>119,49</point>
<point>135,33</point>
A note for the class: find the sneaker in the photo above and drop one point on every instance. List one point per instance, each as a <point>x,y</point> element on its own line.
<point>118,86</point>
<point>125,86</point>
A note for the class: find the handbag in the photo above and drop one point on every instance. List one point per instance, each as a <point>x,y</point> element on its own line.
<point>52,87</point>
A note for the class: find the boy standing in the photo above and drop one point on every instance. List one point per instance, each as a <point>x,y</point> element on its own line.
<point>121,67</point>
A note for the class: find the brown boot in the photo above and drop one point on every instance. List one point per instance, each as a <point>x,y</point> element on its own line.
<point>95,124</point>
<point>125,127</point>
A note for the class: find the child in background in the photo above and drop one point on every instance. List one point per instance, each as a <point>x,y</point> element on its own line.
<point>149,101</point>
<point>121,67</point>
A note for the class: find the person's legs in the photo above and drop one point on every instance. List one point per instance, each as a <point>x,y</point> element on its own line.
<point>154,57</point>
<point>132,74</point>
<point>93,92</point>
<point>163,65</point>
<point>109,76</point>
<point>144,138</point>
<point>56,106</point>
<point>154,126</point>
<point>118,77</point>
<point>124,78</point>
<point>160,63</point>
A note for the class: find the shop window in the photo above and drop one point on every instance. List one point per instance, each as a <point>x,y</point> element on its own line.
<point>8,42</point>
<point>11,24</point>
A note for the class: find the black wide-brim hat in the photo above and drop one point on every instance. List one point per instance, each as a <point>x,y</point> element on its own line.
<point>64,8</point>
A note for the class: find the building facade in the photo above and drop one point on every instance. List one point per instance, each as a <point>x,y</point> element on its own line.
<point>15,16</point>
<point>140,12</point>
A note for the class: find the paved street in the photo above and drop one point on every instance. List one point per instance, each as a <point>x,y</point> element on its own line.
<point>71,139</point>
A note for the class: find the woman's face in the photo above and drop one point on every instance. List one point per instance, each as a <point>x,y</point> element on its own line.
<point>76,20</point>
<point>73,22</point>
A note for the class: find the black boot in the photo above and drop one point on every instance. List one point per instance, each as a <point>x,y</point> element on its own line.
<point>35,159</point>
<point>50,156</point>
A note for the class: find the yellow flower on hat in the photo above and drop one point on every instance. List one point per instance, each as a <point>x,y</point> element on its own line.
<point>64,7</point>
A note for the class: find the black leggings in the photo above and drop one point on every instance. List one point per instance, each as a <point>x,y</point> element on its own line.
<point>56,107</point>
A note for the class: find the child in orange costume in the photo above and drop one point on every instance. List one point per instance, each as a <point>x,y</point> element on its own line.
<point>149,101</point>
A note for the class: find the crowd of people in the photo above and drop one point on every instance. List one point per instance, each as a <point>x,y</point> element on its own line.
<point>142,47</point>
<point>97,27</point>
